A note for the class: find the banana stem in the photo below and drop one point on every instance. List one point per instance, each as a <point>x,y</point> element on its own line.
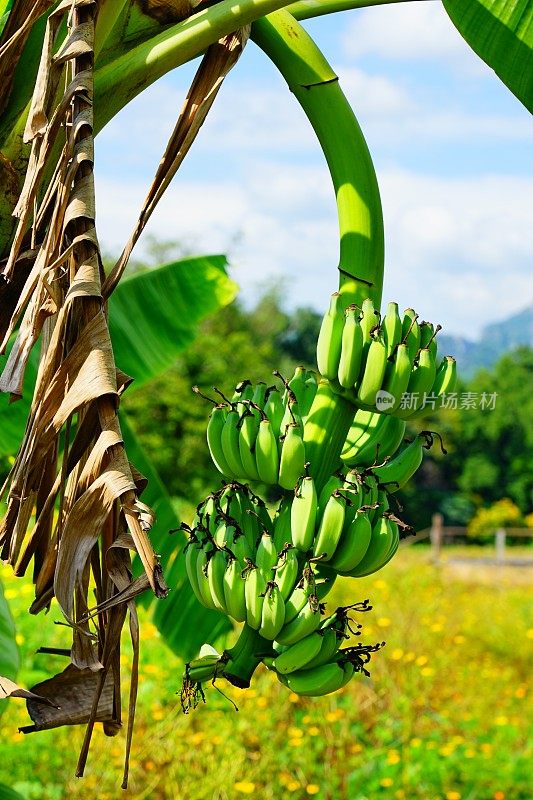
<point>243,660</point>
<point>317,89</point>
<point>325,432</point>
<point>307,9</point>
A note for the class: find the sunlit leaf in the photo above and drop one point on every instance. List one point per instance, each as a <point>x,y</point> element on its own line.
<point>501,33</point>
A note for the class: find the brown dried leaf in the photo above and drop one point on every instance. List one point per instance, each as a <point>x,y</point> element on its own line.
<point>10,689</point>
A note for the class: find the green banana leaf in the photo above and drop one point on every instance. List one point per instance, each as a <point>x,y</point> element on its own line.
<point>184,624</point>
<point>9,655</point>
<point>9,794</point>
<point>501,33</point>
<point>5,9</point>
<point>153,316</point>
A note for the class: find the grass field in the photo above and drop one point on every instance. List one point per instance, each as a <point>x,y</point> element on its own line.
<point>444,714</point>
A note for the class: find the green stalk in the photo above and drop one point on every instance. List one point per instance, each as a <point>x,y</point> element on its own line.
<point>325,431</point>
<point>316,87</point>
<point>243,660</point>
<point>361,260</point>
<point>307,9</point>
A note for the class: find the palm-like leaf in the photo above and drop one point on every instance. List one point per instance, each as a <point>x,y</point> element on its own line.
<point>501,33</point>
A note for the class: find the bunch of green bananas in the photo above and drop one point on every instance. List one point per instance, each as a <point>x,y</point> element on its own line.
<point>363,355</point>
<point>257,436</point>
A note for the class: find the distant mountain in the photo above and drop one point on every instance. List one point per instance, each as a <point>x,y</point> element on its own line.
<point>495,340</point>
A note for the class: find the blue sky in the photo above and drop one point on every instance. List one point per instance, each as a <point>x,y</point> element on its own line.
<point>451,145</point>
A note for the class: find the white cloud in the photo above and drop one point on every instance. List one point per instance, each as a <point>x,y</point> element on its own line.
<point>408,32</point>
<point>458,250</point>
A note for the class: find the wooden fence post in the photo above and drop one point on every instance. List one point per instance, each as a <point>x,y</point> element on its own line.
<point>499,543</point>
<point>435,536</point>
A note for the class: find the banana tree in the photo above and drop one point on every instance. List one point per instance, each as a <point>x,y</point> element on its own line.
<point>66,68</point>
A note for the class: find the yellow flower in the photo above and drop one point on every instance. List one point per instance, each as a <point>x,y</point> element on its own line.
<point>245,787</point>
<point>293,698</point>
<point>421,660</point>
<point>453,796</point>
<point>529,633</point>
<point>427,671</point>
<point>383,622</point>
<point>386,782</point>
<point>436,628</point>
<point>459,639</point>
<point>312,788</point>
<point>295,742</point>
<point>415,742</point>
<point>393,757</point>
<point>293,786</point>
<point>355,748</point>
<point>397,654</point>
<point>380,584</point>
<point>313,731</point>
<point>333,716</point>
<point>294,733</point>
<point>502,720</point>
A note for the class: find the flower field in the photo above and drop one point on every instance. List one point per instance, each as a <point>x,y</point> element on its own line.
<point>443,716</point>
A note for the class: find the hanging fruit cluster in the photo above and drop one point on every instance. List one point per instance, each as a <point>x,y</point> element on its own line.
<point>332,442</point>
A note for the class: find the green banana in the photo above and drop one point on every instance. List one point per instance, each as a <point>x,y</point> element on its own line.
<point>351,349</point>
<point>397,472</point>
<point>274,409</point>
<point>306,593</point>
<point>303,514</point>
<point>248,429</point>
<point>383,442</point>
<point>446,377</point>
<point>192,550</point>
<point>330,339</point>
<point>373,371</point>
<point>234,591</point>
<point>354,543</point>
<point>381,543</point>
<point>421,379</point>
<point>205,595</point>
<point>411,332</point>
<point>273,612</point>
<point>331,525</point>
<point>368,322</point>
<point>282,524</point>
<point>397,376</point>
<point>333,484</point>
<point>216,569</point>
<point>309,392</point>
<point>287,570</point>
<point>392,328</point>
<point>254,590</point>
<point>266,453</point>
<point>365,426</point>
<point>319,681</point>
<point>331,641</point>
<point>304,623</point>
<point>292,458</point>
<point>298,655</point>
<point>266,555</point>
<point>215,426</point>
<point>229,440</point>
<point>303,384</point>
